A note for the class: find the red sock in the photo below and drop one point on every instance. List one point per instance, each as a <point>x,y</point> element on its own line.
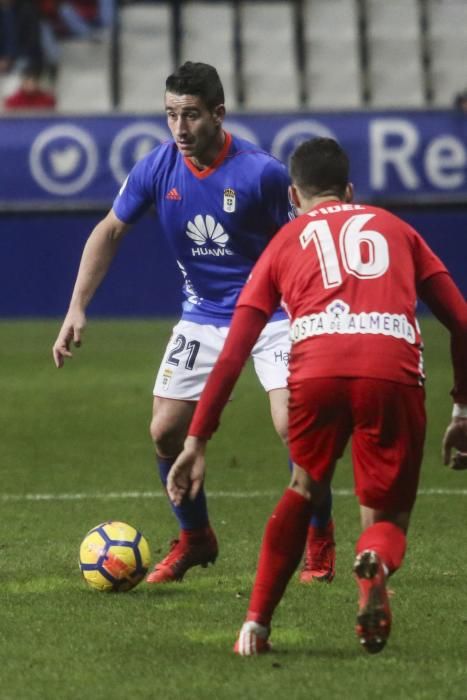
<point>281,551</point>
<point>387,540</point>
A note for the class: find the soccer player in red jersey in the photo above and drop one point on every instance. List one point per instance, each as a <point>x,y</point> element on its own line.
<point>349,276</point>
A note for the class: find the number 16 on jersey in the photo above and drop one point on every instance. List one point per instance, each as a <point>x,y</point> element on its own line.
<point>363,253</point>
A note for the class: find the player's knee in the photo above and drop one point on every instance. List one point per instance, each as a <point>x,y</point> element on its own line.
<point>167,438</point>
<point>300,489</point>
<point>301,482</point>
<point>315,491</point>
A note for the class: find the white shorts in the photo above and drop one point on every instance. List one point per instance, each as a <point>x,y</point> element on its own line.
<point>194,348</point>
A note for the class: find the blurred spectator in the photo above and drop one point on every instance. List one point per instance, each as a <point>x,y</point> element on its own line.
<point>8,36</point>
<point>49,40</point>
<point>20,43</point>
<point>92,13</point>
<point>59,19</point>
<point>30,94</point>
<point>78,18</point>
<point>460,101</point>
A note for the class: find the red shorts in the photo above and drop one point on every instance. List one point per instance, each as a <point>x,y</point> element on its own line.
<point>386,422</point>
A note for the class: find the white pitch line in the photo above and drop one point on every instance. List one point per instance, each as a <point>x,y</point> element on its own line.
<point>112,495</point>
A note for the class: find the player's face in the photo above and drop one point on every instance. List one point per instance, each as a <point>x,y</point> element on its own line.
<point>196,130</point>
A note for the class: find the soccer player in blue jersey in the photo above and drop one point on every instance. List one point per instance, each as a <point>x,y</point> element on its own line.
<point>219,200</point>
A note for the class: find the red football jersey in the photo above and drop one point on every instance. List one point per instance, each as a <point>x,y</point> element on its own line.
<point>347,275</point>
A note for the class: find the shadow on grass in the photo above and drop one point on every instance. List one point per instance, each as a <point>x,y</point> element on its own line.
<point>323,653</point>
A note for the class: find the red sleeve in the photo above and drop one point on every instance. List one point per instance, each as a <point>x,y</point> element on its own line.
<point>247,324</point>
<point>449,306</point>
<point>426,261</point>
<point>260,291</point>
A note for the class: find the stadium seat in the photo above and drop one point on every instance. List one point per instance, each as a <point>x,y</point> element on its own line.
<point>334,83</point>
<point>208,35</point>
<point>146,55</point>
<point>448,74</point>
<point>270,67</point>
<point>394,19</point>
<point>325,18</point>
<point>447,17</point>
<point>83,83</point>
<point>395,72</point>
<point>396,77</point>
<point>332,68</point>
<point>447,45</point>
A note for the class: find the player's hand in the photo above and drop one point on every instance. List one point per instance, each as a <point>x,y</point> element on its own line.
<point>70,332</point>
<point>186,475</point>
<point>455,438</point>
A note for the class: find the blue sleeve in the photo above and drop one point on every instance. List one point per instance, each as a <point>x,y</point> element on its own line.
<point>275,183</point>
<point>136,194</point>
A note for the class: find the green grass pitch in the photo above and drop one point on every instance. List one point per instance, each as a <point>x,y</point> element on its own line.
<point>79,438</point>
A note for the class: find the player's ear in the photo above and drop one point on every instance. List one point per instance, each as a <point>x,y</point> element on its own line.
<point>294,196</point>
<point>349,192</point>
<point>219,114</point>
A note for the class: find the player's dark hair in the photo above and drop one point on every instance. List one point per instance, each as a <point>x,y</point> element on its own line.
<point>320,166</point>
<point>197,79</point>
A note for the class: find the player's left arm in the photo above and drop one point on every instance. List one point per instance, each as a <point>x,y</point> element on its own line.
<point>274,186</point>
<point>445,300</point>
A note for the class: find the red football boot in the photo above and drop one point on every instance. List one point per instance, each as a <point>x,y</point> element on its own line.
<point>374,614</point>
<point>320,555</point>
<point>194,548</point>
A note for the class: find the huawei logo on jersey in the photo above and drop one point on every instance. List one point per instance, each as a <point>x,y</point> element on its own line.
<point>174,195</point>
<point>209,236</point>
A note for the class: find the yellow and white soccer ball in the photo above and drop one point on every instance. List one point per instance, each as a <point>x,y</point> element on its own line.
<point>114,556</point>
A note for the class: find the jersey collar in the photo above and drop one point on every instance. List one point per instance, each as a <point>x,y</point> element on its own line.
<point>201,174</point>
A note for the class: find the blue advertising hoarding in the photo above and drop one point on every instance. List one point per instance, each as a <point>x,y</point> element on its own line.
<point>61,161</point>
<point>75,165</point>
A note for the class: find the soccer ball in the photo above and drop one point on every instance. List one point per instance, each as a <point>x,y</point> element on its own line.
<point>114,556</point>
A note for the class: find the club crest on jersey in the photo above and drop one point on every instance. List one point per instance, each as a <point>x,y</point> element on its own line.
<point>166,377</point>
<point>229,200</point>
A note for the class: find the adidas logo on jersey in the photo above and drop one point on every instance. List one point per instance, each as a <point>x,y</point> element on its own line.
<point>209,236</point>
<point>173,194</point>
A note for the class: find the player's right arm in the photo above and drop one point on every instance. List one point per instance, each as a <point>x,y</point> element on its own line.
<point>98,253</point>
<point>134,198</point>
<point>446,302</point>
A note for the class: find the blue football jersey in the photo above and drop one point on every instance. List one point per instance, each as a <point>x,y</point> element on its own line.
<point>217,221</point>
